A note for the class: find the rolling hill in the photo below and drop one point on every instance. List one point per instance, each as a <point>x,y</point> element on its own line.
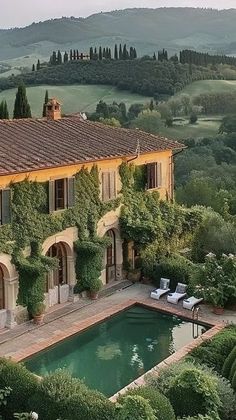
<point>146,29</point>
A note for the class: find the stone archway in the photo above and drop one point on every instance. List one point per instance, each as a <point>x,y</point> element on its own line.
<point>8,291</point>
<point>59,282</point>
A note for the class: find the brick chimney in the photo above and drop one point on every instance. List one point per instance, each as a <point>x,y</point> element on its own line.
<point>53,109</point>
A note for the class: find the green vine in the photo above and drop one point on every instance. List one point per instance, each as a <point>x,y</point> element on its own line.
<point>156,227</point>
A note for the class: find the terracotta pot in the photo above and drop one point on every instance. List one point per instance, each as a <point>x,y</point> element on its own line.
<point>218,310</point>
<point>38,319</point>
<point>93,295</point>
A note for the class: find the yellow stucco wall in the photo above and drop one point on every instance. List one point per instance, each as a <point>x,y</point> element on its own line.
<point>109,164</point>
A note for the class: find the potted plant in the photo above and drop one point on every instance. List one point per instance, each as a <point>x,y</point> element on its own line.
<point>38,312</point>
<point>94,288</point>
<point>216,297</point>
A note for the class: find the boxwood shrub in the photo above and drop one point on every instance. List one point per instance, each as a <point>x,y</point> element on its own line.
<point>23,385</point>
<point>135,407</point>
<point>61,396</point>
<point>214,352</point>
<point>160,404</point>
<point>229,361</point>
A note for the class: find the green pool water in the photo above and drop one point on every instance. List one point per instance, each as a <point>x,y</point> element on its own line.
<point>112,354</point>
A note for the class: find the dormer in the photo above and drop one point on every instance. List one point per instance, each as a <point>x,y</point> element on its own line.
<point>53,109</point>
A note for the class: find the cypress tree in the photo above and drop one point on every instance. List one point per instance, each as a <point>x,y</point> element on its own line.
<point>74,55</point>
<point>38,65</point>
<point>154,56</point>
<point>91,53</point>
<point>135,53</point>
<point>95,56</point>
<point>33,67</point>
<point>71,55</point>
<point>125,53</point>
<point>4,114</point>
<point>59,57</point>
<point>53,58</point>
<point>109,54</point>
<point>45,103</point>
<point>5,111</point>
<point>66,57</point>
<point>21,107</point>
<point>100,53</point>
<point>120,52</point>
<point>116,52</point>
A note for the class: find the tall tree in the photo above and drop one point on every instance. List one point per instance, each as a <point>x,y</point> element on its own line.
<point>53,58</point>
<point>4,114</point>
<point>125,54</point>
<point>38,65</point>
<point>116,52</point>
<point>45,103</point>
<point>100,53</point>
<point>120,52</point>
<point>33,67</point>
<point>66,57</point>
<point>21,107</point>
<point>59,57</point>
<point>71,55</point>
<point>91,53</point>
<point>135,53</point>
<point>109,54</point>
<point>154,56</point>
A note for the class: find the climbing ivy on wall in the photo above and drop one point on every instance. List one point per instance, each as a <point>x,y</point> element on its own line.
<point>157,227</point>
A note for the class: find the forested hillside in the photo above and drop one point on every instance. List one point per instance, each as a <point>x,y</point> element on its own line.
<point>146,29</point>
<point>148,77</point>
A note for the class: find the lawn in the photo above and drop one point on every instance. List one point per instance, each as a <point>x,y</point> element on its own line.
<point>74,98</point>
<point>204,127</point>
<point>209,86</point>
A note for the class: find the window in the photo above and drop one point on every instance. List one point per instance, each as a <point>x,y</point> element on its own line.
<point>154,174</point>
<point>60,188</point>
<point>108,185</point>
<point>5,206</point>
<point>61,194</point>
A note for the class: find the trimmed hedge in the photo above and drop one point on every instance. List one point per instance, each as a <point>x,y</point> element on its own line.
<point>161,406</point>
<point>23,385</point>
<point>227,366</point>
<point>193,392</point>
<point>176,268</point>
<point>61,396</point>
<point>214,352</point>
<point>135,408</point>
<point>227,409</point>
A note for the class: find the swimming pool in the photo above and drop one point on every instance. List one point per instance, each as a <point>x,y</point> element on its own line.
<point>110,355</point>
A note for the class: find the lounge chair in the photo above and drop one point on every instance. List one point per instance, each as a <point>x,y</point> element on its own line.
<point>191,302</point>
<point>180,293</point>
<point>164,288</point>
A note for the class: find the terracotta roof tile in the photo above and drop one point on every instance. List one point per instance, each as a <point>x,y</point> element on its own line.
<point>31,144</point>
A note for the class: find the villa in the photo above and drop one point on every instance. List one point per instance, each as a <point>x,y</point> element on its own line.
<point>51,151</point>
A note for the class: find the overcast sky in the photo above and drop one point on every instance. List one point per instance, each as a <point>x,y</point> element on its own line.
<point>23,12</point>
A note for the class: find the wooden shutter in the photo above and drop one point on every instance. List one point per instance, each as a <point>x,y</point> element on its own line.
<point>105,186</point>
<point>6,206</point>
<point>159,175</point>
<point>112,185</point>
<point>71,192</point>
<point>152,175</point>
<point>51,196</point>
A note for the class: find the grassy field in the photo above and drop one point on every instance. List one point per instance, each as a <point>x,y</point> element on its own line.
<point>74,98</point>
<point>204,127</point>
<point>210,86</point>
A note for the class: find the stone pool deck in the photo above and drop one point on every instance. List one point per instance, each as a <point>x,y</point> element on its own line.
<point>27,339</point>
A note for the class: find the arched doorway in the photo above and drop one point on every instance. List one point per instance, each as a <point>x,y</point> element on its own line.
<point>111,257</point>
<point>57,277</point>
<point>2,289</point>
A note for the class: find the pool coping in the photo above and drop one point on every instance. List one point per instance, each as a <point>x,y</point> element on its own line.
<point>83,325</point>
